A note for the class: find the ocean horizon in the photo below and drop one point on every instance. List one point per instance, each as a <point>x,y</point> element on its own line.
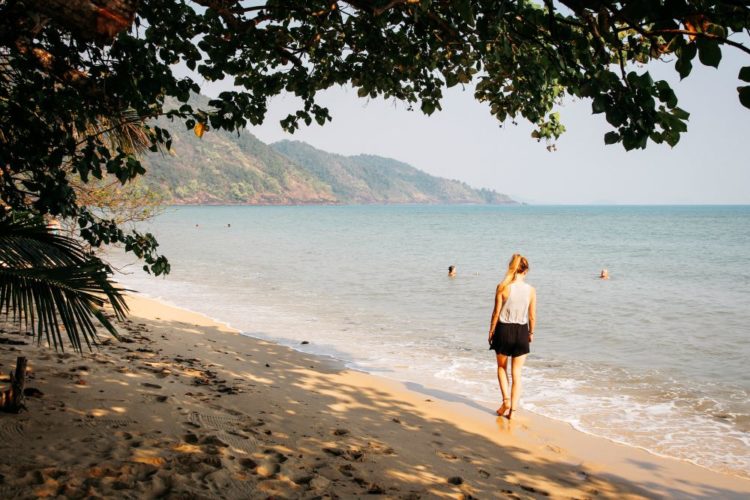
<point>653,358</point>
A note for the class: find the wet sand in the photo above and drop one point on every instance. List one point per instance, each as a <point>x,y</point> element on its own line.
<point>188,408</point>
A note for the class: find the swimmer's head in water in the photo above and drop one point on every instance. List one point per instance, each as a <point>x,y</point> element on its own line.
<point>604,274</point>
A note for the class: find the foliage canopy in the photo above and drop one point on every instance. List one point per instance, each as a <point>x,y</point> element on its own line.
<point>68,67</point>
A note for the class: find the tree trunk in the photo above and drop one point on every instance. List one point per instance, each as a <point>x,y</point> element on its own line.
<point>100,19</point>
<point>11,400</point>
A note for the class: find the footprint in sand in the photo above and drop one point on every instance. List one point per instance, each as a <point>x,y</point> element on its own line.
<point>150,397</point>
<point>554,449</point>
<point>531,489</point>
<point>352,454</point>
<point>229,430</point>
<point>220,422</point>
<point>380,448</point>
<point>111,422</point>
<point>447,456</point>
<point>347,469</point>
<point>11,429</point>
<point>11,492</point>
<point>270,465</point>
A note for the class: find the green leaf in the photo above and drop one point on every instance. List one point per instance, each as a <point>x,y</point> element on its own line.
<point>709,52</point>
<point>451,80</point>
<point>689,51</point>
<point>599,104</point>
<point>681,113</point>
<point>745,74</point>
<point>629,142</point>
<point>611,138</point>
<point>672,138</point>
<point>683,67</point>
<point>428,107</point>
<point>465,11</point>
<point>744,95</point>
<point>717,30</point>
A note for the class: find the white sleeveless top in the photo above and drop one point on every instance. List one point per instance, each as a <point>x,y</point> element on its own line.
<point>516,307</point>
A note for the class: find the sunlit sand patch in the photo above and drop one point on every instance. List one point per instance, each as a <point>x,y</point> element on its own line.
<point>191,372</point>
<point>338,393</point>
<point>158,364</point>
<point>233,374</point>
<point>253,378</point>
<point>187,448</point>
<point>446,494</point>
<point>422,477</point>
<point>97,471</point>
<point>103,417</point>
<point>48,489</point>
<point>239,451</point>
<point>114,381</point>
<point>344,406</point>
<point>148,456</point>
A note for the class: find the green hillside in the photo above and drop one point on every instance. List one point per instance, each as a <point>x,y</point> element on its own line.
<point>224,168</point>
<point>227,168</point>
<point>374,179</point>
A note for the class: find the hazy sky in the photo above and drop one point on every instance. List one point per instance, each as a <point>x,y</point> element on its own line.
<point>709,165</point>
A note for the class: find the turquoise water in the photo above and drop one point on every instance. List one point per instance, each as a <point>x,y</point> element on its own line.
<point>656,357</point>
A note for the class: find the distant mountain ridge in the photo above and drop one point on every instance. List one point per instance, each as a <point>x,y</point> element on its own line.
<point>227,168</point>
<point>375,179</point>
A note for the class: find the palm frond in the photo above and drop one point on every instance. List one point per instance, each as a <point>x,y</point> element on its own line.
<point>50,282</point>
<point>123,130</point>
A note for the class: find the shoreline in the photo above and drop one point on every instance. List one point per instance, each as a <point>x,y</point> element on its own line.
<point>344,364</point>
<point>411,386</point>
<point>317,429</point>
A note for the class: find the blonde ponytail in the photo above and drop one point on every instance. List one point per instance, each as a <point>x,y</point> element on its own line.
<point>517,265</point>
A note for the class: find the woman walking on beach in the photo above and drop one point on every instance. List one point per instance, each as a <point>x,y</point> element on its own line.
<point>512,329</point>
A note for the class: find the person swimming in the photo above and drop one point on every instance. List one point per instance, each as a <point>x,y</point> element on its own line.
<point>604,275</point>
<point>451,271</point>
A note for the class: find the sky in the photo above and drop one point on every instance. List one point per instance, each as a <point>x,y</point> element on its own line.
<point>463,141</point>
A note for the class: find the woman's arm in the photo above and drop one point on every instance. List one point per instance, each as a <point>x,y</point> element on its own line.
<point>496,311</point>
<point>532,314</point>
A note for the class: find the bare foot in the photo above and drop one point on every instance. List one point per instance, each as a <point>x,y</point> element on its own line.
<point>505,407</point>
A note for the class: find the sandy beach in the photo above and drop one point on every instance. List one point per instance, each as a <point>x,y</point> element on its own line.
<point>188,408</point>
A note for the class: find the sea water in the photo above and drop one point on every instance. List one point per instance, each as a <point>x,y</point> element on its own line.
<point>655,357</point>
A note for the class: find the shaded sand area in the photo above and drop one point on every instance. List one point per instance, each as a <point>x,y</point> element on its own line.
<point>188,408</point>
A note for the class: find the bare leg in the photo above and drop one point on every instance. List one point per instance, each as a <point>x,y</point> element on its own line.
<point>502,378</point>
<point>515,392</point>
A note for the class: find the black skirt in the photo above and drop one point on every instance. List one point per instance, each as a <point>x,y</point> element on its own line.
<point>510,339</point>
